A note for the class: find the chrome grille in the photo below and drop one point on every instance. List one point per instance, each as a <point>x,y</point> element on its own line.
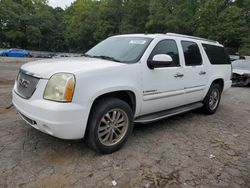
<point>26,84</point>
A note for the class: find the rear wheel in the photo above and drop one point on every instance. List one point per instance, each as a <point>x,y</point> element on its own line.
<point>212,99</point>
<point>109,126</point>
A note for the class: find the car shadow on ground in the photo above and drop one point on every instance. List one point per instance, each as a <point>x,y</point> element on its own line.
<point>41,143</point>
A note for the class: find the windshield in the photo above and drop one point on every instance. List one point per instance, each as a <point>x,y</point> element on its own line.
<point>120,49</point>
<point>241,64</point>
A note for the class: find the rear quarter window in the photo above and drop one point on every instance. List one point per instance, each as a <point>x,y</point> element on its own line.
<point>217,55</point>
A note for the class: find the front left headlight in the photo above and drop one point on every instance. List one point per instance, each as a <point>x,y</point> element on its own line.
<point>60,87</point>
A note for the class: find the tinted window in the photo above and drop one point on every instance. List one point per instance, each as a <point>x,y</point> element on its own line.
<point>168,47</point>
<point>216,54</point>
<point>191,53</point>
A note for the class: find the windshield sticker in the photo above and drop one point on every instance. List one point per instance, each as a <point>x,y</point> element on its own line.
<point>137,42</point>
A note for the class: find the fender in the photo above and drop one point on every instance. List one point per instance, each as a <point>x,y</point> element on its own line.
<point>211,80</point>
<point>138,97</point>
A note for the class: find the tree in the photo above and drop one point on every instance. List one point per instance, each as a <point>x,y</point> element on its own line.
<point>135,15</point>
<point>222,21</point>
<point>29,24</point>
<point>34,25</point>
<point>109,19</point>
<point>81,21</point>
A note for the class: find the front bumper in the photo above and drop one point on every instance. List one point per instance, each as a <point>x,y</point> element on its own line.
<point>62,120</point>
<point>241,79</point>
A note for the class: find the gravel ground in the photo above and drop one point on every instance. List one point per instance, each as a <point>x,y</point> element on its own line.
<point>189,150</point>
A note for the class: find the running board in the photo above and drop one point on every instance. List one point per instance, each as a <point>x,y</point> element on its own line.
<point>167,113</point>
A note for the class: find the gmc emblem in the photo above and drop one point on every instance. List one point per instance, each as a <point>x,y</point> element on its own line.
<point>24,83</point>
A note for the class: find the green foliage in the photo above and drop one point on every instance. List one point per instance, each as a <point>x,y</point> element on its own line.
<point>172,16</point>
<point>109,19</point>
<point>81,21</point>
<point>32,24</point>
<point>245,48</point>
<point>222,21</point>
<point>134,16</point>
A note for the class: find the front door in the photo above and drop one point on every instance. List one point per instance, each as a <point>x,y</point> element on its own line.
<point>163,88</point>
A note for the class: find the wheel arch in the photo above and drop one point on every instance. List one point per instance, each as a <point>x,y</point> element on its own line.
<point>126,95</point>
<point>218,80</point>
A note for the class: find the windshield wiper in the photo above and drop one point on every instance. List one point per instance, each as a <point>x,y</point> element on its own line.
<point>87,55</point>
<point>102,57</point>
<point>106,58</point>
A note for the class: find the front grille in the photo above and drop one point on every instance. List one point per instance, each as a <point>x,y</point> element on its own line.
<point>26,84</point>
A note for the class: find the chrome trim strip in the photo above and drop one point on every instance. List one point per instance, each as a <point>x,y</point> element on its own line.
<point>160,92</point>
<point>16,82</point>
<point>172,93</point>
<point>160,95</point>
<point>195,86</point>
<point>31,74</point>
<point>194,91</point>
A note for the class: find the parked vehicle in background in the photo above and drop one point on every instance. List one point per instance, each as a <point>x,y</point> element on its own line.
<point>15,53</point>
<point>1,53</point>
<point>236,57</point>
<point>123,80</point>
<point>241,72</point>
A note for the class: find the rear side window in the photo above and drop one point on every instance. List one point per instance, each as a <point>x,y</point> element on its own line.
<point>168,47</point>
<point>217,55</point>
<point>192,53</point>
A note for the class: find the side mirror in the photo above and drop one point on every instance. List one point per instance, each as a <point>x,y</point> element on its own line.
<point>160,61</point>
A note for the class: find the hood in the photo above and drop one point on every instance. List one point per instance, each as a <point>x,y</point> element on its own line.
<point>241,71</point>
<point>46,68</point>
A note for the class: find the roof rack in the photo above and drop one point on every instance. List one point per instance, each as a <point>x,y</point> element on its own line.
<point>191,37</point>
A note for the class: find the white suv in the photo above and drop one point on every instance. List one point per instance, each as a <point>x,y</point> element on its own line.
<point>137,78</point>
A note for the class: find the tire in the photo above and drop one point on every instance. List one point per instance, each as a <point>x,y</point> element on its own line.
<point>212,99</point>
<point>100,126</point>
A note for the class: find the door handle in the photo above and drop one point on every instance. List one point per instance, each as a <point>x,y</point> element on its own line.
<point>178,75</point>
<point>202,73</point>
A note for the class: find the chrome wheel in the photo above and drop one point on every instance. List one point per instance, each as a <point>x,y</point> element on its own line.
<point>113,127</point>
<point>214,99</point>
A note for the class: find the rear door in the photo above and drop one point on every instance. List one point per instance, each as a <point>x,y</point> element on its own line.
<point>195,70</point>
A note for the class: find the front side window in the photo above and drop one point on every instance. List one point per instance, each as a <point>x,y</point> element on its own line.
<point>120,49</point>
<point>191,53</point>
<point>216,54</point>
<point>167,47</point>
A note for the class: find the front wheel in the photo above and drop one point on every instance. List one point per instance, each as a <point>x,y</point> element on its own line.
<point>109,125</point>
<point>212,99</point>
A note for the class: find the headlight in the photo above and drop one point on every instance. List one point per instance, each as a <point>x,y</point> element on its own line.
<point>60,87</point>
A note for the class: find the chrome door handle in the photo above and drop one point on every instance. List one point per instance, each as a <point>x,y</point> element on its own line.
<point>178,75</point>
<point>202,73</point>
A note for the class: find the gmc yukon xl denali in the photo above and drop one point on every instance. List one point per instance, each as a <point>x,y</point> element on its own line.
<point>123,80</point>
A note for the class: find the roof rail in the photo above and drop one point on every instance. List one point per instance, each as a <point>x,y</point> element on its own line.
<point>191,37</point>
